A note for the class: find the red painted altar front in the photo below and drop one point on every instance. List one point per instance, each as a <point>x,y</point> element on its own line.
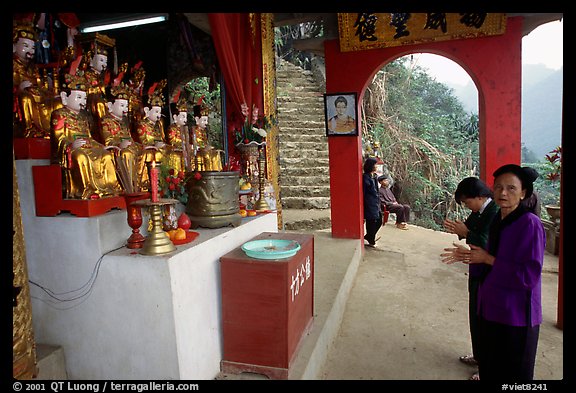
<point>267,307</point>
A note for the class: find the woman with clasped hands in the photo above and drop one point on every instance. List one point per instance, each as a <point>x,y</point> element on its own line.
<point>509,298</point>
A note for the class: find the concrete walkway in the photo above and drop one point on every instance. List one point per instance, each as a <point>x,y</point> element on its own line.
<point>407,314</point>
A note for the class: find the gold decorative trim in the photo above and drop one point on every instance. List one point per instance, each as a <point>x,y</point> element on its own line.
<point>361,31</point>
<point>24,364</point>
<point>271,107</point>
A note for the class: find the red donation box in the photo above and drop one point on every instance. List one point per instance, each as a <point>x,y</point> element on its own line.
<point>267,307</point>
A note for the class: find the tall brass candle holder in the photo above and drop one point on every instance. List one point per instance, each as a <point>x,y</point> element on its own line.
<point>261,204</point>
<point>157,242</point>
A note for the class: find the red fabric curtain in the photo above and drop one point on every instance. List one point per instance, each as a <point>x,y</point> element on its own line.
<point>239,50</point>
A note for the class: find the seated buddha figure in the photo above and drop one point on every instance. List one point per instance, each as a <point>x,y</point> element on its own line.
<point>33,103</point>
<point>87,166</point>
<point>128,154</point>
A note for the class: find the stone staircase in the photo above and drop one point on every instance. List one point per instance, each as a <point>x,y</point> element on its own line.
<point>304,174</point>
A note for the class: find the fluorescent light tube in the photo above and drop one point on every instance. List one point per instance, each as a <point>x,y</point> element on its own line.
<point>118,25</point>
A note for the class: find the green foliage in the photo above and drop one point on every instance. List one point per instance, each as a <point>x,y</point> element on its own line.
<point>428,141</point>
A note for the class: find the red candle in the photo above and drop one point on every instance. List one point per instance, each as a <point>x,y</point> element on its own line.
<point>154,182</point>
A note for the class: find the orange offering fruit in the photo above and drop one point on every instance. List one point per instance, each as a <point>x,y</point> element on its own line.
<point>180,234</point>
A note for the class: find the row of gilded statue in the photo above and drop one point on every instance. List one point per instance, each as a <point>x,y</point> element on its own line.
<point>102,135</point>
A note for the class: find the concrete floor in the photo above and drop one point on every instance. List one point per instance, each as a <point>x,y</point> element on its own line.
<point>406,317</point>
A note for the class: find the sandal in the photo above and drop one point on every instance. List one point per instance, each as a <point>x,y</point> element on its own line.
<point>475,377</point>
<point>469,360</point>
<point>402,226</point>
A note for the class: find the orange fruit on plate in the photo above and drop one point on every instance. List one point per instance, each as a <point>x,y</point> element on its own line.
<point>180,234</point>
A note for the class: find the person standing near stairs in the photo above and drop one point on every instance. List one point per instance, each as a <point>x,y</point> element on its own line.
<point>372,212</point>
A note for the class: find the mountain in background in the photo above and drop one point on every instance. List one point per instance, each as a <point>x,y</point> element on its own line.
<point>541,108</point>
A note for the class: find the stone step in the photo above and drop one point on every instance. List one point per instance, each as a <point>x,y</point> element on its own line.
<point>287,94</point>
<point>305,113</point>
<point>303,127</point>
<point>304,146</point>
<point>302,87</point>
<point>299,153</point>
<point>288,135</point>
<point>305,203</point>
<point>305,191</point>
<point>312,224</point>
<point>302,105</point>
<point>304,162</point>
<point>289,172</point>
<point>307,181</point>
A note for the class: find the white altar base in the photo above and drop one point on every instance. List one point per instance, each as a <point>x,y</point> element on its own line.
<point>134,316</point>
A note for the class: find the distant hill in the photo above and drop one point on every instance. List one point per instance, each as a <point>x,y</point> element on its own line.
<point>541,107</point>
<point>542,110</point>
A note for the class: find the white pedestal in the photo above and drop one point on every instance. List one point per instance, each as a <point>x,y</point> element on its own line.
<point>126,316</point>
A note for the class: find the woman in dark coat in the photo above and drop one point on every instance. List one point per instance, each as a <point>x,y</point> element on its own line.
<point>476,196</point>
<point>509,297</point>
<point>372,212</point>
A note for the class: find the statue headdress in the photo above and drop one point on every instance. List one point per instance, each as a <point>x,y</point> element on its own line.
<point>155,96</point>
<point>200,109</point>
<point>97,43</point>
<point>75,79</point>
<point>24,29</point>
<point>179,103</point>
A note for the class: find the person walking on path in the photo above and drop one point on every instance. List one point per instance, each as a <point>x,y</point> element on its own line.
<point>476,196</point>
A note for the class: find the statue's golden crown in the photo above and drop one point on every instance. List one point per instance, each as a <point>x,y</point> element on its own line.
<point>24,30</point>
<point>75,82</point>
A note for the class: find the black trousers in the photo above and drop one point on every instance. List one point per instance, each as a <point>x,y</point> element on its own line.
<point>508,353</point>
<point>473,318</point>
<point>372,227</point>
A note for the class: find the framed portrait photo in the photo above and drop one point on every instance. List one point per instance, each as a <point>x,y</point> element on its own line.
<point>340,114</point>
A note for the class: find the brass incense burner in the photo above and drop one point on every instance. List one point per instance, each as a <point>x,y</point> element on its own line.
<point>213,199</point>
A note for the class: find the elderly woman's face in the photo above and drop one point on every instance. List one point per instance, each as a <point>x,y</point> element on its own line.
<point>508,191</point>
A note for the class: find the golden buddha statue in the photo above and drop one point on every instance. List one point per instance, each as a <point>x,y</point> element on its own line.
<point>33,104</point>
<point>88,167</point>
<point>129,156</point>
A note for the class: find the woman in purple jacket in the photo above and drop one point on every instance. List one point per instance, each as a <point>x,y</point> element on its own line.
<point>509,298</point>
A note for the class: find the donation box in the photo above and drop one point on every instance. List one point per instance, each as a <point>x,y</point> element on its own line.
<point>267,307</point>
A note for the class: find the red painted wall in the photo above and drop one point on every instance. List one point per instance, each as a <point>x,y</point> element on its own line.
<point>494,64</point>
